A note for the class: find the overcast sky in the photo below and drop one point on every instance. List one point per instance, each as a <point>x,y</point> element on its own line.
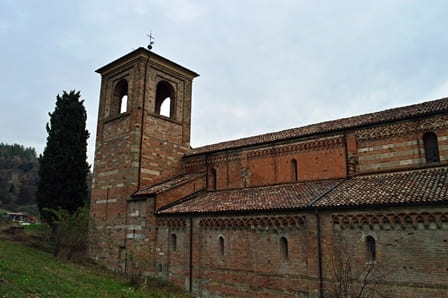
<point>264,65</point>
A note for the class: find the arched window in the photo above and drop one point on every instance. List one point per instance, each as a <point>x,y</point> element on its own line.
<point>431,147</point>
<point>164,99</point>
<point>221,245</point>
<point>212,179</point>
<point>371,248</point>
<point>294,170</point>
<point>284,248</point>
<point>120,98</point>
<point>173,242</point>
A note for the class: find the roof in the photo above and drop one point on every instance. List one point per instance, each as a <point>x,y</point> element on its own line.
<point>278,197</point>
<point>410,187</point>
<point>145,53</point>
<point>396,114</point>
<point>168,184</point>
<point>417,186</point>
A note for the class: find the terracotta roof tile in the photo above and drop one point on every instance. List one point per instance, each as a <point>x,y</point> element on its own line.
<point>285,196</point>
<point>168,184</point>
<point>418,186</point>
<point>395,114</point>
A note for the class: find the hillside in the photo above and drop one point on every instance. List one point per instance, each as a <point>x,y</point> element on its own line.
<point>18,178</point>
<point>27,272</point>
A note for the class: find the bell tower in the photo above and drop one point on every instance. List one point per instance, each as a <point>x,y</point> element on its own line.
<point>143,130</point>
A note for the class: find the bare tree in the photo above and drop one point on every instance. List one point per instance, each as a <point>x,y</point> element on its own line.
<point>355,275</point>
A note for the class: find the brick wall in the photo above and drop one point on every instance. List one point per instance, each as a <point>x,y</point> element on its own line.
<point>411,251</point>
<point>172,251</point>
<point>250,261</point>
<point>322,158</point>
<point>411,247</point>
<point>137,147</point>
<point>165,139</point>
<point>399,145</point>
<point>140,237</point>
<point>179,192</point>
<point>386,147</point>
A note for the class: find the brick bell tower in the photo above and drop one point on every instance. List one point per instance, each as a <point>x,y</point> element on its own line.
<point>143,130</point>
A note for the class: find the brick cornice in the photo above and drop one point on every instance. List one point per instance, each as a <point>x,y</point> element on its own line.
<point>223,158</point>
<point>319,144</point>
<point>410,220</point>
<point>404,128</point>
<point>254,223</point>
<point>171,222</point>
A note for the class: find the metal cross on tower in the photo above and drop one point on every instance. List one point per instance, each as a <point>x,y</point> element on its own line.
<point>151,40</point>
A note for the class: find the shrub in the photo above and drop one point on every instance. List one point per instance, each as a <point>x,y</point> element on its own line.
<point>70,234</point>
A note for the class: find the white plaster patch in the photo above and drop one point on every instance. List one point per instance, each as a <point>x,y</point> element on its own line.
<point>387,146</point>
<point>366,149</point>
<point>135,236</point>
<point>389,155</point>
<point>108,173</point>
<point>385,165</point>
<point>151,172</point>
<point>407,162</point>
<point>116,227</point>
<point>135,227</point>
<point>106,201</point>
<point>134,214</point>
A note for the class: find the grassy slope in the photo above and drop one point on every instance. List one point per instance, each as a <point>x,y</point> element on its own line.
<point>26,272</point>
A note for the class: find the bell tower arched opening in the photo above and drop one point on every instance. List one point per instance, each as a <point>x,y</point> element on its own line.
<point>119,103</point>
<point>165,99</point>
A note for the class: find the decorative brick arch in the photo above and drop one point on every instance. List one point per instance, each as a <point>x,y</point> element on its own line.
<point>327,143</point>
<point>394,220</point>
<point>401,129</point>
<point>259,223</point>
<point>176,223</point>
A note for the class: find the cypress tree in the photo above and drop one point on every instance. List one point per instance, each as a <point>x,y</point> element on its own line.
<point>63,165</point>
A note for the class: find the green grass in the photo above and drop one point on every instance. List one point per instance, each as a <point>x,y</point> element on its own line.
<point>34,227</point>
<point>27,272</point>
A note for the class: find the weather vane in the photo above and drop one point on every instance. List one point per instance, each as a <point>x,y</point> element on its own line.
<point>151,40</point>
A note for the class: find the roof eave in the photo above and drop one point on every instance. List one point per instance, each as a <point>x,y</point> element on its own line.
<point>144,53</point>
<point>303,209</point>
<point>306,135</point>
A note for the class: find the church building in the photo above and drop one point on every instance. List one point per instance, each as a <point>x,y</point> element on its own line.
<point>356,204</point>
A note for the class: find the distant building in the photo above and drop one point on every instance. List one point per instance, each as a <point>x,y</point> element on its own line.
<point>15,216</point>
<point>266,215</point>
<point>19,217</point>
